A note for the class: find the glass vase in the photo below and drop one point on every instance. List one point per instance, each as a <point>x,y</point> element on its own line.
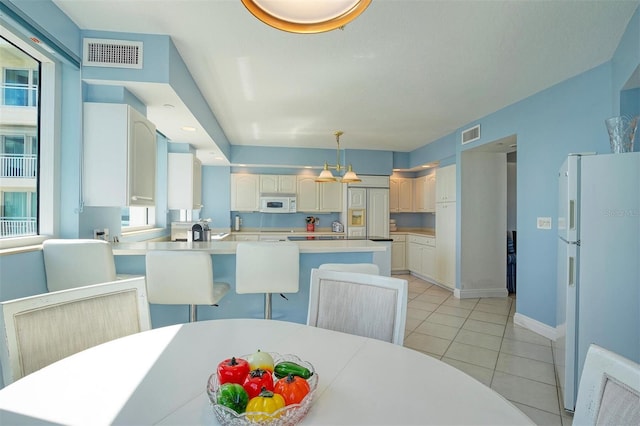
<point>622,131</point>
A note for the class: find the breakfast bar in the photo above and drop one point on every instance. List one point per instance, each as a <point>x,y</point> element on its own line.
<point>130,259</point>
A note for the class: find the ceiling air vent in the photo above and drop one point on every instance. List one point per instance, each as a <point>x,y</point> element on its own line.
<point>471,134</point>
<point>112,53</point>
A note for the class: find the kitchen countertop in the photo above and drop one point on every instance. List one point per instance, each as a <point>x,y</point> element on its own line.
<point>427,232</point>
<point>229,247</point>
<point>293,231</point>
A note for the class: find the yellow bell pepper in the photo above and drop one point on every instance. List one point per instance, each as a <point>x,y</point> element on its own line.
<point>262,407</point>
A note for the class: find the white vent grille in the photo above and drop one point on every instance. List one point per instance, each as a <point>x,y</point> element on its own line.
<point>471,134</point>
<point>112,53</point>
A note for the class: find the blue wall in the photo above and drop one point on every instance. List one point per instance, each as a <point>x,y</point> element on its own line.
<point>567,117</point>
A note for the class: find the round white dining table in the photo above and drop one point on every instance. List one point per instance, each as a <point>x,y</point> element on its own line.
<point>159,377</point>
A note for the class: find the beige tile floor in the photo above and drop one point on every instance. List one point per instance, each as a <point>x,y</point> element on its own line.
<point>478,336</point>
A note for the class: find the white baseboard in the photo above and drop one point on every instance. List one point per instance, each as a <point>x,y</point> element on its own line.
<point>473,293</point>
<point>535,326</point>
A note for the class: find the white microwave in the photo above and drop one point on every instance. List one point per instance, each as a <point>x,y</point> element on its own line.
<point>277,203</point>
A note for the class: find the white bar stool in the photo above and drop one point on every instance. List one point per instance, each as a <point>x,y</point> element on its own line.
<point>267,267</point>
<point>182,277</point>
<point>71,263</point>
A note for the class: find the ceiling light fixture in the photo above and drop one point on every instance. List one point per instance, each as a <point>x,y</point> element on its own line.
<point>306,17</point>
<point>327,176</point>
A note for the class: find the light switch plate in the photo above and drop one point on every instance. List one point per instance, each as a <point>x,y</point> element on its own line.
<point>544,223</point>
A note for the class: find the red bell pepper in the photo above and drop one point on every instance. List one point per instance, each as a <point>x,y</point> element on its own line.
<point>233,370</point>
<point>256,380</point>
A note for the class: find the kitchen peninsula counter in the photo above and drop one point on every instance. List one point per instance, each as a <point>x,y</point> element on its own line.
<point>229,247</point>
<point>130,259</point>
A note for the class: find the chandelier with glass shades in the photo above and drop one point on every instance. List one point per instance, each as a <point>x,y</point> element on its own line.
<point>326,175</point>
<point>306,16</point>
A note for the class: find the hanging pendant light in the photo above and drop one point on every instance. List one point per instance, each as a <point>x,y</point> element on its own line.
<point>306,16</point>
<point>326,175</point>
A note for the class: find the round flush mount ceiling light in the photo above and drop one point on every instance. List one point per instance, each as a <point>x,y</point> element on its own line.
<point>308,16</point>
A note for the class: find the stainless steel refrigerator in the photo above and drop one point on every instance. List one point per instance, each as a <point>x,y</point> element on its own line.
<point>598,255</point>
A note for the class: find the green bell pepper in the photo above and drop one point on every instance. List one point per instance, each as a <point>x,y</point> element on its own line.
<point>233,395</point>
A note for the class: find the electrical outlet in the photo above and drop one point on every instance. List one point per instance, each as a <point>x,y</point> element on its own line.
<point>544,223</point>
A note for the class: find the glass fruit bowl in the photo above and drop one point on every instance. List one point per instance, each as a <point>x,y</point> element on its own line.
<point>288,415</point>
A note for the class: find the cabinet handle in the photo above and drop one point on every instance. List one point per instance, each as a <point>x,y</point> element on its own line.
<point>139,197</point>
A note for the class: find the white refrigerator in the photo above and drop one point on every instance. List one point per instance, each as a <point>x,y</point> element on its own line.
<point>367,213</point>
<point>598,256</point>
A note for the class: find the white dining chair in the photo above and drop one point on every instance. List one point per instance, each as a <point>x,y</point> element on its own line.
<point>362,304</point>
<point>41,329</point>
<point>72,263</point>
<point>183,277</point>
<point>609,390</point>
<point>363,268</point>
<point>267,267</point>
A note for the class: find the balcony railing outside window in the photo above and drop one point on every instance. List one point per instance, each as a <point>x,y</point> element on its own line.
<point>18,165</point>
<point>17,226</point>
<point>19,94</point>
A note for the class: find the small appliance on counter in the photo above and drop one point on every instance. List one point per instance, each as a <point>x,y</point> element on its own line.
<point>200,232</point>
<point>337,226</point>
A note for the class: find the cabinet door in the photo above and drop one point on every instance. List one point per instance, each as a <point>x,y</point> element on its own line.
<point>430,193</point>
<point>307,194</point>
<point>446,184</point>
<point>244,192</point>
<point>378,213</point>
<point>287,184</point>
<point>398,256</point>
<point>330,196</point>
<point>184,179</point>
<point>119,156</point>
<point>428,261</point>
<point>414,252</point>
<point>405,197</point>
<point>357,198</point>
<point>269,183</point>
<point>142,160</point>
<point>419,196</point>
<point>394,195</point>
<point>445,270</point>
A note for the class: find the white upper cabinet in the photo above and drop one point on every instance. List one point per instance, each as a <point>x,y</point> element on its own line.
<point>400,195</point>
<point>119,166</point>
<point>446,184</point>
<point>330,196</point>
<point>318,197</point>
<point>424,198</point>
<point>184,175</point>
<point>245,192</point>
<point>278,183</point>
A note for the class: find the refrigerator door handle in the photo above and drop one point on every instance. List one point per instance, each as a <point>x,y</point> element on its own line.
<point>572,269</point>
<point>572,214</point>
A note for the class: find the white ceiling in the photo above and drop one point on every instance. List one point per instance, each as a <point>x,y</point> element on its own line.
<point>402,75</point>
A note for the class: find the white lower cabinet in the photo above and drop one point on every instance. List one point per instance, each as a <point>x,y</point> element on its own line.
<point>421,255</point>
<point>398,253</point>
